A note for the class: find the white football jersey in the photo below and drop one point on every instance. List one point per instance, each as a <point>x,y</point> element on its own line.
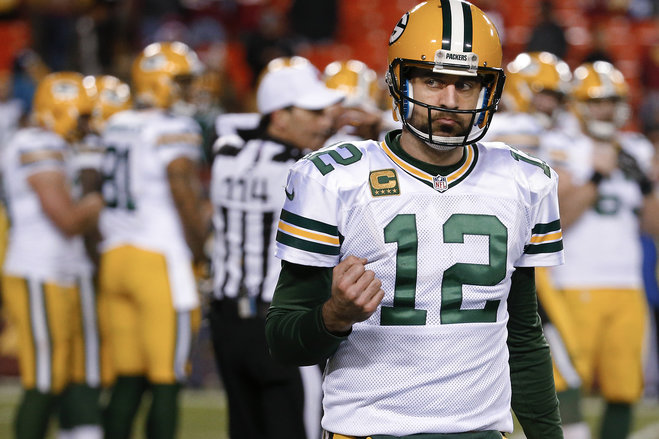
<point>602,248</point>
<point>140,210</point>
<point>433,357</point>
<point>36,246</point>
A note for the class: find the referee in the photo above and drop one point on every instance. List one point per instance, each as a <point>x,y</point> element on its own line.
<point>266,399</point>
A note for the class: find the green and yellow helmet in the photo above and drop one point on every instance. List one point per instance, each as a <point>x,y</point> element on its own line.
<point>598,81</point>
<point>157,67</point>
<point>60,99</point>
<point>531,73</point>
<point>452,37</point>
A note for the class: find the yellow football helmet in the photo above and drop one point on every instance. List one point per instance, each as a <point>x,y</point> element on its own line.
<point>356,80</point>
<point>283,62</point>
<point>452,37</point>
<point>60,99</point>
<point>531,73</point>
<point>113,95</point>
<point>156,70</point>
<point>592,84</point>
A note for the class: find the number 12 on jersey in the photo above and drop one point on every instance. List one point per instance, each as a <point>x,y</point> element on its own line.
<point>402,230</point>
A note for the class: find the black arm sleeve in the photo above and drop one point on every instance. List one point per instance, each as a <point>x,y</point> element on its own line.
<point>533,393</point>
<point>294,325</point>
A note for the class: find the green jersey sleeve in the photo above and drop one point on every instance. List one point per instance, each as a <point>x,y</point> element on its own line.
<point>294,325</point>
<point>534,398</point>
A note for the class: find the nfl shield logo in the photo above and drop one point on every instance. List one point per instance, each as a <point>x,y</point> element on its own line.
<point>440,183</point>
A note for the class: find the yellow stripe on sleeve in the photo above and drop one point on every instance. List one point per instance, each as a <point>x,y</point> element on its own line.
<point>296,231</point>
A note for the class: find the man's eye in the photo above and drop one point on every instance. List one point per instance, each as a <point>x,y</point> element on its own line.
<point>434,82</point>
<point>464,85</point>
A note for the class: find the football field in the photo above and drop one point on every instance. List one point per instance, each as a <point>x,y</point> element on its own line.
<point>204,414</point>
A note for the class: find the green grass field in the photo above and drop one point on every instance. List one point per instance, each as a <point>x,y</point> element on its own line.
<point>204,414</point>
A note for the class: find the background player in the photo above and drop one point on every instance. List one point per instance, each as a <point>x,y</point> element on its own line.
<point>153,227</point>
<point>41,273</point>
<point>605,198</point>
<point>535,118</point>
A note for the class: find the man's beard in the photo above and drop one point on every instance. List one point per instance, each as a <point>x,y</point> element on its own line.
<point>444,129</point>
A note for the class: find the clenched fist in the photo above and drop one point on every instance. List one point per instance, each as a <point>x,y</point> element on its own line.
<point>356,294</point>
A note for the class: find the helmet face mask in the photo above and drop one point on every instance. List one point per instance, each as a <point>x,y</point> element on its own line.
<point>449,37</point>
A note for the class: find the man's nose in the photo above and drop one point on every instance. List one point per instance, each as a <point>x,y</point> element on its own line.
<point>448,97</point>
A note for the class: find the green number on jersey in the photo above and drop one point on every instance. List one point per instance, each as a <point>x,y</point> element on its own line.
<point>519,155</point>
<point>460,274</point>
<point>402,230</point>
<point>116,179</point>
<point>607,205</point>
<point>324,168</point>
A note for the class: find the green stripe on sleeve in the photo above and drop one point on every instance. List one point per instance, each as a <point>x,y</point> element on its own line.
<point>308,246</point>
<point>544,228</point>
<point>309,224</point>
<point>550,247</point>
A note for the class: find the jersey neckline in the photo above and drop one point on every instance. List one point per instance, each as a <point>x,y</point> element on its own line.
<point>431,175</point>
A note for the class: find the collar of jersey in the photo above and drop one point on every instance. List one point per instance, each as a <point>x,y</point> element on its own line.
<point>425,172</point>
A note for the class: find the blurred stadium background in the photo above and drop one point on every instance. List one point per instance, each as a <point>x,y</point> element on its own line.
<point>236,38</point>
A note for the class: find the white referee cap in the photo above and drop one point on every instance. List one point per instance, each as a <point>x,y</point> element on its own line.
<point>294,84</point>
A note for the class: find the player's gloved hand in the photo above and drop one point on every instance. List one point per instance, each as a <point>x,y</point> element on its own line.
<point>629,166</point>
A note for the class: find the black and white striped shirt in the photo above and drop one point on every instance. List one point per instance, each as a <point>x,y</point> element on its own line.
<point>247,192</point>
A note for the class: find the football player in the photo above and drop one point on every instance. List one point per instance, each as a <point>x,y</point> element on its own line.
<point>46,279</point>
<point>109,95</point>
<point>153,227</point>
<point>606,196</point>
<point>536,118</point>
<point>409,264</point>
<point>534,102</point>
